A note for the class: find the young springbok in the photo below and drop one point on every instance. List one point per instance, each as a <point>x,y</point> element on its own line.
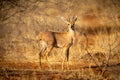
<point>57,39</point>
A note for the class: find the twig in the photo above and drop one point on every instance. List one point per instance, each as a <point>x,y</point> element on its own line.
<point>109,54</point>
<point>88,51</point>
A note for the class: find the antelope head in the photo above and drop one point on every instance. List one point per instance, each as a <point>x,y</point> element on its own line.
<point>70,21</point>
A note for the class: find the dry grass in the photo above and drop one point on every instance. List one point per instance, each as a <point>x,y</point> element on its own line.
<point>112,73</point>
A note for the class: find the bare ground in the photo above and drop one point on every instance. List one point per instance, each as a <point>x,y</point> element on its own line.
<point>109,73</point>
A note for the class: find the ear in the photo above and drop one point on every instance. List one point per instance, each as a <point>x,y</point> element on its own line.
<point>66,21</point>
<point>74,18</point>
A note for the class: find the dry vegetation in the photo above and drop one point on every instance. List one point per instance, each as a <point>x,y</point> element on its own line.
<point>95,54</point>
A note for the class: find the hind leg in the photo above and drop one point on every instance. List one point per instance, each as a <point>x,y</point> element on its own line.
<point>47,54</point>
<point>43,51</point>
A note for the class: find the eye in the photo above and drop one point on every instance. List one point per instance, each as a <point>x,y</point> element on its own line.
<point>69,24</point>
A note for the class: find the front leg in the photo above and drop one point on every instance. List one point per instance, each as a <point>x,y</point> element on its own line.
<point>73,40</point>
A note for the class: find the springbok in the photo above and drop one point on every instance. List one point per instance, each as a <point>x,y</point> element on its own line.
<point>57,39</point>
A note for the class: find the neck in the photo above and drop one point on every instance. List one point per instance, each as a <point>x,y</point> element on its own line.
<point>71,29</point>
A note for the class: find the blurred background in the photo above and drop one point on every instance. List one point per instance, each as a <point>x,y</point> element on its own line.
<point>97,37</point>
<point>97,32</point>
